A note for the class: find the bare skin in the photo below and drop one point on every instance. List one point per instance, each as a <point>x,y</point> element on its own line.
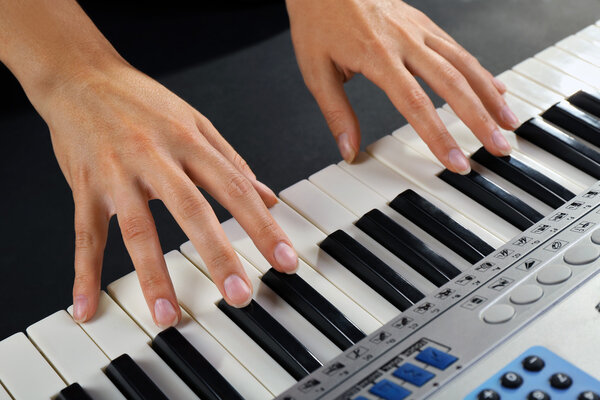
<point>122,139</point>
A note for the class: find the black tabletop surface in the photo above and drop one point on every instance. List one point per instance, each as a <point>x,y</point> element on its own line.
<point>234,63</point>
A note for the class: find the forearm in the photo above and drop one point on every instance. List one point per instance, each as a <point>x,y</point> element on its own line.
<point>45,42</point>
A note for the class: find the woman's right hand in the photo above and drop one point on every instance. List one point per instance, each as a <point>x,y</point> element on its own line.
<point>122,139</point>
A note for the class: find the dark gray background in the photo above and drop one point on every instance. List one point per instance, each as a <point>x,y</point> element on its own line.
<point>234,63</point>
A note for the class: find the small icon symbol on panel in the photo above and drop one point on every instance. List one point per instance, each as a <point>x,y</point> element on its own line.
<point>357,352</point>
<point>444,294</point>
<point>522,241</point>
<point>402,322</point>
<point>500,284</point>
<point>465,280</point>
<point>333,368</point>
<point>556,245</point>
<point>473,302</point>
<point>591,194</point>
<point>308,385</point>
<point>485,266</point>
<point>558,216</point>
<point>504,253</point>
<point>423,308</point>
<point>575,205</point>
<point>541,228</point>
<point>582,226</point>
<point>529,264</point>
<point>380,337</point>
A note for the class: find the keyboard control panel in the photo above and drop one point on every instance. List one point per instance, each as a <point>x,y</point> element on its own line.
<point>538,374</point>
<point>429,344</point>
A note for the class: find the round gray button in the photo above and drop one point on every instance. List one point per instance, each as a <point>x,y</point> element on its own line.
<point>526,294</point>
<point>583,254</point>
<point>553,274</point>
<point>596,236</point>
<point>498,314</point>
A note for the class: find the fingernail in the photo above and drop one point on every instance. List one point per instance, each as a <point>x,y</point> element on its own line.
<point>509,117</point>
<point>286,257</point>
<point>165,313</point>
<point>501,143</point>
<point>346,149</point>
<point>459,161</point>
<point>237,291</point>
<point>80,307</point>
<point>499,85</point>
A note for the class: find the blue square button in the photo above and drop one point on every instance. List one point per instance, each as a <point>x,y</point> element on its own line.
<point>413,374</point>
<point>436,358</point>
<point>389,391</point>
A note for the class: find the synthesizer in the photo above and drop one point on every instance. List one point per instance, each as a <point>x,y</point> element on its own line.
<point>413,282</point>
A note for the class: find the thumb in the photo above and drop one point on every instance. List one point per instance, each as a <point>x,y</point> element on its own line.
<point>328,90</point>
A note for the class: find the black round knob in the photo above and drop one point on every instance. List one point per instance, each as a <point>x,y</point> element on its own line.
<point>538,395</point>
<point>560,381</point>
<point>588,395</point>
<point>533,363</point>
<point>488,394</point>
<point>511,380</point>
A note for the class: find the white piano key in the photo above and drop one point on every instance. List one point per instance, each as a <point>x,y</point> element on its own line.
<point>550,77</point>
<point>73,354</point>
<point>581,48</point>
<point>319,208</point>
<point>591,33</point>
<point>198,295</point>
<point>529,91</point>
<point>116,334</point>
<point>244,245</point>
<point>571,65</point>
<point>304,235</point>
<point>127,293</point>
<point>423,172</point>
<point>288,317</point>
<point>360,198</point>
<point>3,394</point>
<point>21,364</point>
<point>388,183</point>
<point>349,191</point>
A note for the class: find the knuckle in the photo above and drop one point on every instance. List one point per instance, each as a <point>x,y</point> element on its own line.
<point>417,100</point>
<point>84,280</point>
<point>136,228</point>
<point>267,228</point>
<point>84,239</point>
<point>452,76</point>
<point>241,164</point>
<point>334,117</point>
<point>238,186</point>
<point>222,260</point>
<point>190,206</point>
<point>152,283</point>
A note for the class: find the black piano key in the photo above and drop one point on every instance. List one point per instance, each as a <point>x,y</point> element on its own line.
<point>314,307</point>
<point>574,121</point>
<point>192,367</point>
<point>132,381</point>
<point>521,175</point>
<point>273,338</point>
<point>439,225</point>
<point>589,102</point>
<point>407,247</point>
<point>494,198</point>
<point>561,145</point>
<point>73,392</point>
<point>371,270</point>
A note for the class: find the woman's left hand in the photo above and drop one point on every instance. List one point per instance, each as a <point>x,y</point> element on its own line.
<point>390,43</point>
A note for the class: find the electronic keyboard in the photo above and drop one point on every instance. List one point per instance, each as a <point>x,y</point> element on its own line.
<point>413,282</point>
